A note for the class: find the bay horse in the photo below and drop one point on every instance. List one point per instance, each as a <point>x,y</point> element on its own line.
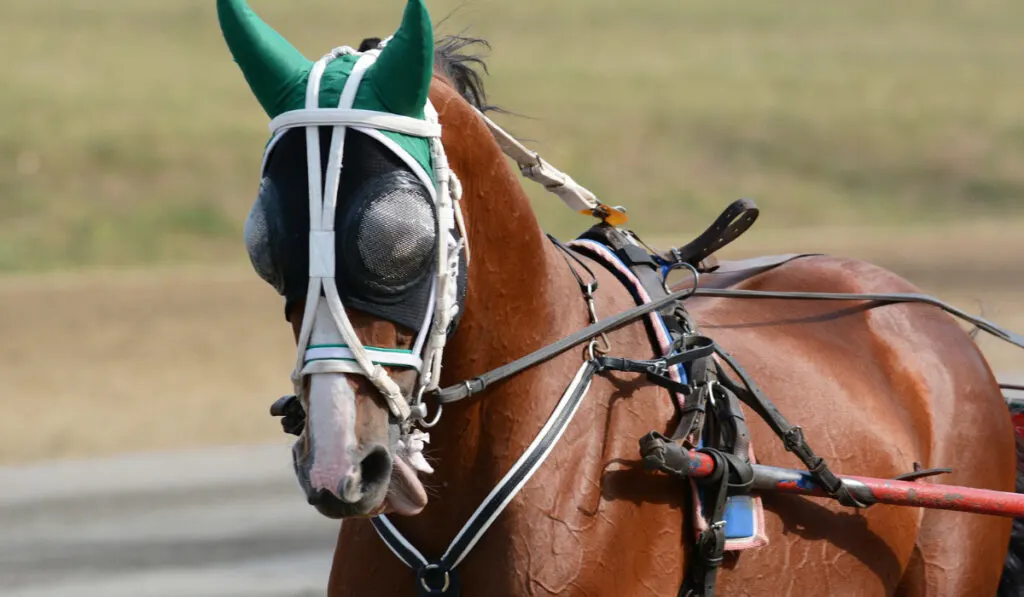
<point>875,390</point>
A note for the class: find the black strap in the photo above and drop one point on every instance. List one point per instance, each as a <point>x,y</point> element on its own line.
<point>731,475</point>
<point>792,435</point>
<point>694,410</point>
<point>587,288</point>
<point>482,382</point>
<point>710,547</point>
<point>439,577</point>
<point>692,348</point>
<point>883,299</point>
<point>734,221</point>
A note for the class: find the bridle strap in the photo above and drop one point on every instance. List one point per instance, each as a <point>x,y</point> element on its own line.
<point>480,383</point>
<point>382,356</point>
<point>322,199</point>
<point>445,191</point>
<point>352,117</point>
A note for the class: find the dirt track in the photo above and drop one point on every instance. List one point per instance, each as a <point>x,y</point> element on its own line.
<point>99,363</point>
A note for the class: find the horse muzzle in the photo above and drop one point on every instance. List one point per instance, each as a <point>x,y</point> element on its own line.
<point>356,492</point>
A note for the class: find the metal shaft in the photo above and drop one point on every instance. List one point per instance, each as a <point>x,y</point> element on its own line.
<point>879,491</point>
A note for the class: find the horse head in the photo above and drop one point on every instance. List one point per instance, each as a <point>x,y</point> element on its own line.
<point>368,246</point>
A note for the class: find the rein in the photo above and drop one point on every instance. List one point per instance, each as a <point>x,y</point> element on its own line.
<point>456,392</point>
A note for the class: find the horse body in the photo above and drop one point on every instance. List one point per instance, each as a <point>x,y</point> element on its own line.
<point>875,391</point>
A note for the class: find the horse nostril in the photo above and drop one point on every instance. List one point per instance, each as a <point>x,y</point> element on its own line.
<point>375,468</point>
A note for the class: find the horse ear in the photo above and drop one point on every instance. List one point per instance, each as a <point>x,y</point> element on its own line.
<point>271,65</point>
<point>403,71</point>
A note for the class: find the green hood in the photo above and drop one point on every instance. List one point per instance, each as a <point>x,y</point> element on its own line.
<point>278,73</point>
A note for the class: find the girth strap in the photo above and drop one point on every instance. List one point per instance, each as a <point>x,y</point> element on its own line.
<point>732,475</point>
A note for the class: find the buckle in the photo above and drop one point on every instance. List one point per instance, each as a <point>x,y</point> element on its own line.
<point>437,579</point>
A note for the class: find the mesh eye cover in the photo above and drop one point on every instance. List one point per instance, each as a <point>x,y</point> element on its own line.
<point>279,244</point>
<point>263,236</point>
<point>388,237</point>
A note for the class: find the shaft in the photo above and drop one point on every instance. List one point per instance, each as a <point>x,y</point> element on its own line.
<point>879,491</point>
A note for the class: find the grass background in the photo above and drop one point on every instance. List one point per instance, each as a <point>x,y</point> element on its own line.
<point>129,136</point>
<point>888,131</point>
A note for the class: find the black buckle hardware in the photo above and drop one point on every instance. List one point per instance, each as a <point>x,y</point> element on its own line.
<point>293,416</point>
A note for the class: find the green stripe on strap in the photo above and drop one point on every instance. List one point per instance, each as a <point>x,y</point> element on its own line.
<point>394,357</point>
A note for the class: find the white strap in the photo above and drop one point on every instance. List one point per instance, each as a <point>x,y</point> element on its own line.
<point>382,356</point>
<point>534,167</point>
<point>355,117</point>
<point>336,155</point>
<point>321,265</point>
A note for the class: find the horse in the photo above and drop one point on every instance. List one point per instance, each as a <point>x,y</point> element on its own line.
<point>876,391</point>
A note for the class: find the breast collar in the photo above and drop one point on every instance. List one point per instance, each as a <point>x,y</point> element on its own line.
<point>352,356</point>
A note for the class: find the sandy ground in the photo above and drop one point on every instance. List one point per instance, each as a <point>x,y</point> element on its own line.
<point>105,362</point>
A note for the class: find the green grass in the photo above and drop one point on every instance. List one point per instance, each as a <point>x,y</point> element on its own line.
<point>128,135</point>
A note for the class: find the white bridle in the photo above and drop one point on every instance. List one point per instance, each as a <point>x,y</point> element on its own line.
<point>426,354</point>
<point>352,356</point>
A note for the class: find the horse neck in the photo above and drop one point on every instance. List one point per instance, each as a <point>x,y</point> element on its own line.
<point>516,275</point>
<point>518,294</point>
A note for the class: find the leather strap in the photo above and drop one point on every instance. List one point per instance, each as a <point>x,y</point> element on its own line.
<point>478,384</point>
<point>792,435</point>
<point>883,299</point>
<point>731,474</point>
<point>733,222</point>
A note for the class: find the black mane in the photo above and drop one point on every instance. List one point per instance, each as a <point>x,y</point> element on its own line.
<point>454,57</point>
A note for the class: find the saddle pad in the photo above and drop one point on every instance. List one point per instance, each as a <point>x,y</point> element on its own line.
<point>744,514</point>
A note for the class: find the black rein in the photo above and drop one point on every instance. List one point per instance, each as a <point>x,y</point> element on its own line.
<point>480,383</point>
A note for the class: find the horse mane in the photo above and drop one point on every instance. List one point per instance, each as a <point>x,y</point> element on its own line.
<point>455,58</point>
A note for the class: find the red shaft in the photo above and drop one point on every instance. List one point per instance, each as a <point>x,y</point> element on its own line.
<point>880,491</point>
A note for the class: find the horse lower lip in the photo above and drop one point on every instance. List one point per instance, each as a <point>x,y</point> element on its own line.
<point>331,506</point>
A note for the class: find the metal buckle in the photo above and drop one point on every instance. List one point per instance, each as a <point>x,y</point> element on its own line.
<point>418,410</point>
<point>423,580</point>
<point>658,367</point>
<point>592,310</point>
<point>711,392</point>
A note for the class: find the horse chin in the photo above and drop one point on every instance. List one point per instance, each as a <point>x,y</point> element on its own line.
<point>406,494</point>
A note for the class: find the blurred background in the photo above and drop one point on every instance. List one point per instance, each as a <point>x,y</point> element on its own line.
<point>130,148</point>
